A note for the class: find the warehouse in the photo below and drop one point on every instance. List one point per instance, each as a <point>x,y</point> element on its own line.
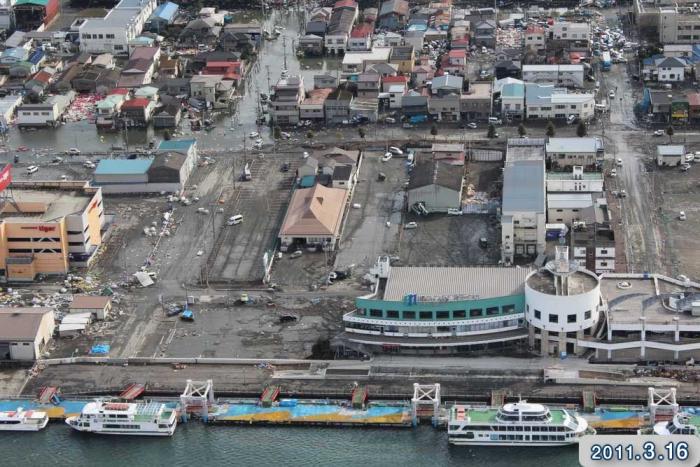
<point>436,184</point>
<point>25,332</point>
<point>97,305</point>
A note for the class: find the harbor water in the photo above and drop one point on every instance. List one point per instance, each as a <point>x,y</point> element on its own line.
<point>195,443</point>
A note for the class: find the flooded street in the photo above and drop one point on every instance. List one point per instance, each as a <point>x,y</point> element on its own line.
<point>231,128</point>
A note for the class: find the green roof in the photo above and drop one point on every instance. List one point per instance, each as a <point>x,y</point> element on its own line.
<point>32,2</point>
<point>489,416</point>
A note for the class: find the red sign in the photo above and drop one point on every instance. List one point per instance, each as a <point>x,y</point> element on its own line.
<point>5,177</point>
<point>41,228</point>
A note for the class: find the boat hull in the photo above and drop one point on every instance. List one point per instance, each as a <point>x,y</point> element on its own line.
<point>98,431</point>
<point>469,442</point>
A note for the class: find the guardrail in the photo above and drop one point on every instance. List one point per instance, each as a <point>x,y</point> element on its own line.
<point>169,361</point>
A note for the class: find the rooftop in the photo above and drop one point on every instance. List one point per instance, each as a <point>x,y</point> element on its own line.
<point>176,145</point>
<point>670,150</point>
<point>123,166</point>
<point>564,145</point>
<point>89,301</point>
<point>571,200</point>
<point>315,211</point>
<point>454,282</point>
<point>579,282</point>
<point>432,172</point>
<point>44,205</point>
<point>524,186</point>
<point>21,324</point>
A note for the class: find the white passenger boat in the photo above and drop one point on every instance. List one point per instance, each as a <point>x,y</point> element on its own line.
<point>681,424</point>
<point>23,420</point>
<point>122,418</point>
<point>519,423</point>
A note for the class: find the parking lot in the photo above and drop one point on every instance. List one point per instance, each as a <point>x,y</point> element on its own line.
<point>372,229</point>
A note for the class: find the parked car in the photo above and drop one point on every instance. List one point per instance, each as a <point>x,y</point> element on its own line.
<point>305,155</point>
<point>682,216</point>
<point>618,162</point>
<point>454,212</point>
<point>613,173</point>
<point>471,125</point>
<point>659,133</point>
<point>495,121</point>
<point>685,167</point>
<point>395,151</point>
<point>285,167</point>
<point>233,220</point>
<point>411,225</point>
<point>690,157</point>
<point>296,254</point>
<point>73,152</point>
<point>32,169</point>
<point>387,157</point>
<point>254,135</point>
<point>611,94</point>
<point>390,120</point>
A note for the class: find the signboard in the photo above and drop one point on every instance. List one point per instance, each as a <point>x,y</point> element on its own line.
<point>40,228</point>
<point>679,110</point>
<point>5,177</point>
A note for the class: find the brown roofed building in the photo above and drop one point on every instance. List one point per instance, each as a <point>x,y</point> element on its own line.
<point>314,217</point>
<point>98,305</point>
<point>24,332</point>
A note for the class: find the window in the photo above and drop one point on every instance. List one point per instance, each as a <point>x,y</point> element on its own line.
<point>538,314</point>
<point>571,318</point>
<point>409,315</point>
<point>19,239</point>
<point>392,314</point>
<point>459,314</point>
<point>442,314</point>
<point>375,313</point>
<point>603,252</point>
<point>101,36</point>
<point>118,47</point>
<point>553,318</point>
<point>587,314</point>
<point>109,36</point>
<point>475,312</point>
<point>491,311</point>
<point>426,315</point>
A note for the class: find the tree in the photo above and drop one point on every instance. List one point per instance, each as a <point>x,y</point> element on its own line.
<point>521,130</point>
<point>581,129</point>
<point>362,133</point>
<point>166,135</point>
<point>551,131</point>
<point>276,132</point>
<point>492,131</point>
<point>434,130</point>
<point>310,135</point>
<point>669,132</point>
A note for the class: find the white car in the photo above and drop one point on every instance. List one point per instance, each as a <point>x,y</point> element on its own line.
<point>611,94</point>
<point>395,151</point>
<point>233,220</point>
<point>73,151</point>
<point>305,155</point>
<point>411,225</point>
<point>390,120</point>
<point>254,134</point>
<point>471,125</point>
<point>618,162</point>
<point>387,157</point>
<point>613,173</point>
<point>495,121</point>
<point>454,212</point>
<point>32,169</point>
<point>682,216</point>
<point>690,157</point>
<point>659,133</point>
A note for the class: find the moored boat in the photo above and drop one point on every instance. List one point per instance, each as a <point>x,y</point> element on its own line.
<point>122,418</point>
<point>519,423</point>
<point>23,420</point>
<point>681,424</point>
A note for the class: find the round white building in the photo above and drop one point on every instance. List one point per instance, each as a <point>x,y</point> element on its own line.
<point>562,303</point>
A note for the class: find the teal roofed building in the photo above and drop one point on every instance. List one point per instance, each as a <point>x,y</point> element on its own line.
<point>449,309</point>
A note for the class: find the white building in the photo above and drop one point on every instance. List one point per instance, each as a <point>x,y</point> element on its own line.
<point>575,181</point>
<point>570,208</point>
<point>523,211</point>
<point>25,332</point>
<point>547,102</point>
<point>569,152</point>
<point>563,75</point>
<point>563,302</point>
<point>566,31</point>
<point>669,154</point>
<point>44,114</point>
<point>670,70</point>
<point>121,25</point>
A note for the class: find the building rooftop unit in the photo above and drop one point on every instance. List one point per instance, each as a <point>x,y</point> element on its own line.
<point>454,283</point>
<point>576,145</point>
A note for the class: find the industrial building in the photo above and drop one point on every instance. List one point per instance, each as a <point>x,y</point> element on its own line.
<point>437,185</point>
<point>117,29</point>
<point>25,332</point>
<point>563,153</point>
<point>47,227</point>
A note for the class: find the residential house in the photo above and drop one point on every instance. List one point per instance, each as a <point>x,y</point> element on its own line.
<point>564,153</point>
<point>568,31</point>
<point>444,103</point>
<point>506,69</point>
<point>368,85</point>
<point>168,116</point>
<point>535,38</point>
<point>357,62</point>
<point>571,76</point>
<point>575,207</point>
<point>593,246</point>
<point>415,39</point>
<point>228,70</point>
<point>26,332</point>
<point>284,103</point>
<point>48,113</point>
<point>325,81</point>
<point>311,44</point>
<point>343,176</point>
<point>137,112</point>
<point>337,106</point>
<point>513,101</point>
<point>455,62</point>
<point>664,69</point>
<point>201,59</point>
<point>200,31</point>
<point>214,90</point>
<point>96,80</point>
<point>475,103</point>
<point>97,305</point>
<point>484,34</point>
<point>422,74</point>
<point>311,108</point>
<point>39,83</point>
<point>403,58</point>
<point>382,69</point>
<point>438,186</point>
<point>361,37</point>
<point>414,104</point>
<point>365,109</point>
<point>109,107</point>
<point>170,68</point>
<point>393,15</point>
<point>342,19</point>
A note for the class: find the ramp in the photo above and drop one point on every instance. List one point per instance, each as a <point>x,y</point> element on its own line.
<point>132,392</point>
<point>269,396</point>
<point>589,401</point>
<point>49,394</point>
<point>359,397</point>
<point>498,398</point>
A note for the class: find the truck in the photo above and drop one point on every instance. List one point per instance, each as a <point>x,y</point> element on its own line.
<point>605,61</point>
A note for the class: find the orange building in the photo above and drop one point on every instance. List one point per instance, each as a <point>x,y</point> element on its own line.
<point>47,227</point>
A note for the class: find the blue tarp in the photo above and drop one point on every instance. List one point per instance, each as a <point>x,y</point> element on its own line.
<point>99,349</point>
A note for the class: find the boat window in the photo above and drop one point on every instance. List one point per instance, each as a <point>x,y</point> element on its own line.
<point>470,435</point>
